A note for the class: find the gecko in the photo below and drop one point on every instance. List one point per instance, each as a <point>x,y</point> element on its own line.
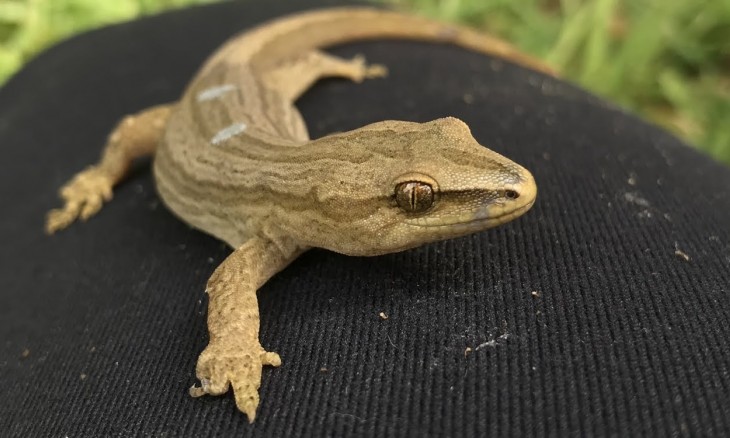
<point>233,158</point>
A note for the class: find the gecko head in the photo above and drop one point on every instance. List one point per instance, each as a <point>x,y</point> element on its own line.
<point>405,184</point>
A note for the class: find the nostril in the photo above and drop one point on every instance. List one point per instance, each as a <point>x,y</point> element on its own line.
<point>511,194</point>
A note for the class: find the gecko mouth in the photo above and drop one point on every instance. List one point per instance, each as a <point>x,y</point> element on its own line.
<point>476,223</point>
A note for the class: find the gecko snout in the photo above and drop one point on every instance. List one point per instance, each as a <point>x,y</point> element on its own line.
<point>518,190</point>
<point>523,191</point>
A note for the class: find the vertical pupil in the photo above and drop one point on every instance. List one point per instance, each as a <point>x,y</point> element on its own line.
<point>414,196</point>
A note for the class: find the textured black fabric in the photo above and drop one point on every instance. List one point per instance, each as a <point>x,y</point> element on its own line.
<point>582,317</point>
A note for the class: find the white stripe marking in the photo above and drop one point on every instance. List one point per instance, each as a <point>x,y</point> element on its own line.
<point>228,132</point>
<point>215,92</point>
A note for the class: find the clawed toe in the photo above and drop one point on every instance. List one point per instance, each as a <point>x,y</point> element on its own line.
<point>269,358</point>
<point>376,71</point>
<point>217,385</point>
<point>91,207</point>
<point>58,219</point>
<point>247,399</point>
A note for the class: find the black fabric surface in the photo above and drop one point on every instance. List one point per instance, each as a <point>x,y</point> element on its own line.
<point>582,317</point>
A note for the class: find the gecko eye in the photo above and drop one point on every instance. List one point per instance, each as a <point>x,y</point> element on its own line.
<point>414,196</point>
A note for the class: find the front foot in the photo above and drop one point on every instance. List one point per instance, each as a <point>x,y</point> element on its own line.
<point>83,197</point>
<point>222,364</point>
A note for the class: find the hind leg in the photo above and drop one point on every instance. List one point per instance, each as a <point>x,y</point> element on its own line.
<point>293,77</point>
<point>135,136</point>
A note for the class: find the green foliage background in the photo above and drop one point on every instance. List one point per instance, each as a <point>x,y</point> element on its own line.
<point>668,60</point>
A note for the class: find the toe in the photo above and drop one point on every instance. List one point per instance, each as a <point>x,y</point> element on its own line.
<point>270,358</point>
<point>60,218</point>
<point>106,192</point>
<point>196,391</point>
<point>213,386</point>
<point>358,59</point>
<point>376,71</point>
<point>55,221</point>
<point>247,400</point>
<point>91,206</point>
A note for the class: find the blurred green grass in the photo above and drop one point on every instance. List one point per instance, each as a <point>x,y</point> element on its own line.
<point>667,60</point>
<point>28,26</point>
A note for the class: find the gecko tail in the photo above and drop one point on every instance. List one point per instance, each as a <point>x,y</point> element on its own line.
<point>303,32</point>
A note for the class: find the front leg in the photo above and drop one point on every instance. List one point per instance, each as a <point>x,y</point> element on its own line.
<point>234,356</point>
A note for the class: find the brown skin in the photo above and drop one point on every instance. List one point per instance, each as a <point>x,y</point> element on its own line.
<point>233,158</point>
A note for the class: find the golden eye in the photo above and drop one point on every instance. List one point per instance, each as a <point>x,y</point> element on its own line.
<point>414,196</point>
